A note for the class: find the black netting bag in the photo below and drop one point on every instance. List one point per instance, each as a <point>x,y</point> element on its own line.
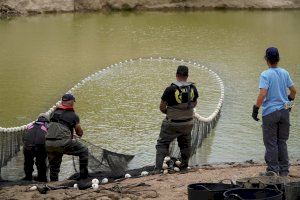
<point>104,161</point>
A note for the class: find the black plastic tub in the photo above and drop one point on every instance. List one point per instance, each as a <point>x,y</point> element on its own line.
<point>208,191</point>
<point>250,194</point>
<point>292,191</point>
<point>270,182</point>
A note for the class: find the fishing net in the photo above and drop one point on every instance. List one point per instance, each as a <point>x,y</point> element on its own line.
<point>10,146</point>
<point>104,161</point>
<point>133,85</point>
<point>200,131</point>
<point>115,162</point>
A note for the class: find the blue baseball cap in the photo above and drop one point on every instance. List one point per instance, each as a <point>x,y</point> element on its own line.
<point>272,54</point>
<point>68,97</point>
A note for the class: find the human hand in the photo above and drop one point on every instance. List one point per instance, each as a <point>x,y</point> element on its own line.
<point>75,137</point>
<point>255,113</point>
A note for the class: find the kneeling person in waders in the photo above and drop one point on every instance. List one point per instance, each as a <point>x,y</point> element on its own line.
<point>177,102</point>
<point>34,148</point>
<point>59,139</point>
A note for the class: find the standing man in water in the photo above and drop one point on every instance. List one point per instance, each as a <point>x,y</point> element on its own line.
<point>177,102</point>
<point>276,105</point>
<point>59,139</point>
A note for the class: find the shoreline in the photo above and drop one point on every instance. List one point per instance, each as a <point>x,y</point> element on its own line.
<point>161,187</point>
<point>11,8</point>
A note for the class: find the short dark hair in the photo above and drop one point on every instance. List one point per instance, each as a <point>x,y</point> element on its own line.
<point>272,55</point>
<point>182,70</point>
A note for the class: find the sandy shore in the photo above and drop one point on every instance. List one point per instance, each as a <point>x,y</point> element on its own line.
<point>170,186</point>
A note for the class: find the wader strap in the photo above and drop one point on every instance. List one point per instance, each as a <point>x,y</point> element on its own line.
<point>179,121</point>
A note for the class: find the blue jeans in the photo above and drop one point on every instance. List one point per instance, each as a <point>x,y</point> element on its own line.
<point>276,128</point>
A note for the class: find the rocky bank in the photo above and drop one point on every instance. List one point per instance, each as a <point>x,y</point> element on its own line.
<point>23,7</point>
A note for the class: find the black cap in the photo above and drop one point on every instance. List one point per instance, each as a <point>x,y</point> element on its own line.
<point>68,97</point>
<point>272,55</point>
<point>182,70</point>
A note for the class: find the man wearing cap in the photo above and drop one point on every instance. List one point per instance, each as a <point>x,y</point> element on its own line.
<point>59,140</point>
<point>276,104</point>
<point>177,102</point>
<point>34,147</point>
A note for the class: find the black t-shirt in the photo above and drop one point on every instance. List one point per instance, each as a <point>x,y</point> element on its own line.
<point>67,117</point>
<point>173,98</point>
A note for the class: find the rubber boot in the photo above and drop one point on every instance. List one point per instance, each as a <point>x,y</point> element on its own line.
<point>83,171</point>
<point>160,156</point>
<point>185,156</point>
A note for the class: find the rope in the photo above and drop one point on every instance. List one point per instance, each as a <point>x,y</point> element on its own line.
<point>117,188</point>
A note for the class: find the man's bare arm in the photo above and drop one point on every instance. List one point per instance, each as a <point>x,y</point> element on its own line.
<point>261,96</point>
<point>163,107</point>
<point>292,92</point>
<point>78,130</point>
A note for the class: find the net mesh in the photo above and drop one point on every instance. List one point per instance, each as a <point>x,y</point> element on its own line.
<point>10,146</point>
<point>105,161</point>
<point>199,132</point>
<point>110,163</point>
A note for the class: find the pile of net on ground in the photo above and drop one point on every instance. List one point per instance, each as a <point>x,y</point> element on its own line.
<point>107,164</point>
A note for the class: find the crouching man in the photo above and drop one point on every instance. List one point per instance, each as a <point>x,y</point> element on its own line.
<point>34,148</point>
<point>59,139</point>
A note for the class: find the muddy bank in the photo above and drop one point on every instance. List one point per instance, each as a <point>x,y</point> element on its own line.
<point>165,187</point>
<point>23,7</point>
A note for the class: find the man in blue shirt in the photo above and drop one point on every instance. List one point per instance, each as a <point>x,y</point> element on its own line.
<point>276,104</point>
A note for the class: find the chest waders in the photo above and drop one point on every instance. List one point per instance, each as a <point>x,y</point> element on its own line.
<point>59,141</point>
<point>59,133</point>
<point>34,148</point>
<point>178,124</point>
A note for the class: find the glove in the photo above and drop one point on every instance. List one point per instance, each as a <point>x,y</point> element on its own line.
<point>290,98</point>
<point>255,112</point>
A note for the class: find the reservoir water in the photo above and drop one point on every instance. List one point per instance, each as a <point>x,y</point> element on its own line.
<point>41,57</point>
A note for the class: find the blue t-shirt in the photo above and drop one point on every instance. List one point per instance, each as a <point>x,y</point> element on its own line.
<point>276,81</point>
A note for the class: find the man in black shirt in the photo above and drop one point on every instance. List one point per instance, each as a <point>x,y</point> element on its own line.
<point>59,139</point>
<point>177,103</point>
